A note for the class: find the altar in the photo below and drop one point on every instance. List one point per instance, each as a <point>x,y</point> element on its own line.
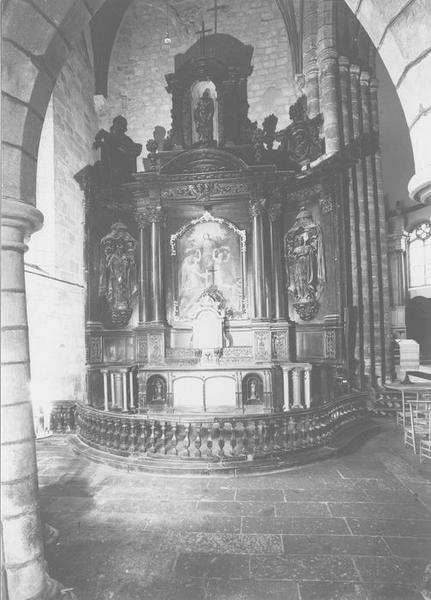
<point>214,276</point>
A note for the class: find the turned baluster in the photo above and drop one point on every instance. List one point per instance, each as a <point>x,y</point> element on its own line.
<point>187,439</point>
<point>256,438</point>
<point>117,434</point>
<point>123,437</point>
<point>276,436</point>
<point>153,437</point>
<point>244,437</point>
<point>132,438</point>
<point>233,440</point>
<point>221,440</point>
<point>109,433</point>
<point>285,433</point>
<point>102,432</point>
<point>304,432</point>
<point>210,442</point>
<point>198,442</point>
<point>93,422</point>
<point>163,437</point>
<point>265,436</point>
<point>142,438</point>
<point>174,440</point>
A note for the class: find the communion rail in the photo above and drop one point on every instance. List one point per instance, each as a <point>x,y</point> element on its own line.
<point>218,439</point>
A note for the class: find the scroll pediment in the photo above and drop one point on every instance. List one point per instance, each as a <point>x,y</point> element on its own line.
<point>203,161</point>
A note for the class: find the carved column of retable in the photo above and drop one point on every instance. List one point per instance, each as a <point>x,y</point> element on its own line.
<point>307,387</point>
<point>257,208</point>
<point>156,218</point>
<point>105,389</point>
<point>278,306</point>
<point>144,274</point>
<point>296,385</point>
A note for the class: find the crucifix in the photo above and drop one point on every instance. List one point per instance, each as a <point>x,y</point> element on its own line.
<point>210,276</point>
<point>202,33</point>
<point>215,10</point>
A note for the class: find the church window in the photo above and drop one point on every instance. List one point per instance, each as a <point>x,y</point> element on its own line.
<point>420,255</point>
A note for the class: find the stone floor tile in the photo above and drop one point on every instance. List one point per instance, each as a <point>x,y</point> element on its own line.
<point>333,494</point>
<point>225,566</point>
<point>392,592</point>
<point>297,568</point>
<point>160,590</point>
<point>222,543</point>
<point>391,527</point>
<point>237,508</point>
<point>406,510</point>
<point>252,590</point>
<point>335,545</point>
<point>305,525</point>
<point>260,495</point>
<point>322,590</point>
<point>303,509</point>
<point>193,522</point>
<point>410,547</point>
<point>390,570</point>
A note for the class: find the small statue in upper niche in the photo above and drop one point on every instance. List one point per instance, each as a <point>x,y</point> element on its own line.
<point>203,117</point>
<point>118,152</point>
<point>117,273</point>
<point>305,264</point>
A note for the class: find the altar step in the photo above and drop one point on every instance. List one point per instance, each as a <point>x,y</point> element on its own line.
<point>340,443</point>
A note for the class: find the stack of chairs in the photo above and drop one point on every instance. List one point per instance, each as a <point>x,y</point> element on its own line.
<point>417,424</point>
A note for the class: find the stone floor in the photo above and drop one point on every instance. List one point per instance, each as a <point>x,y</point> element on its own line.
<point>355,527</point>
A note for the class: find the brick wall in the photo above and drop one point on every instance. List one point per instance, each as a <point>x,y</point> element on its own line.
<point>54,263</point>
<point>140,60</point>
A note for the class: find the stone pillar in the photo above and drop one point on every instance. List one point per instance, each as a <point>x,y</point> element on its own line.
<point>257,208</point>
<point>158,313</point>
<point>286,387</point>
<point>329,101</point>
<point>380,225</point>
<point>398,283</point>
<point>131,389</point>
<point>278,306</point>
<point>124,378</point>
<point>311,70</point>
<point>118,390</point>
<point>22,542</point>
<point>356,210</point>
<point>307,387</point>
<point>370,229</point>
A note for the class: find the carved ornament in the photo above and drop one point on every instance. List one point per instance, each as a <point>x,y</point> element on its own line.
<point>330,343</point>
<point>257,207</point>
<point>300,140</point>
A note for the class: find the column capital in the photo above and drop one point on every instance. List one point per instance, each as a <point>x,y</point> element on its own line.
<point>257,207</point>
<point>327,55</point>
<point>354,70</point>
<point>343,63</point>
<point>397,241</point>
<point>150,214</point>
<point>21,215</point>
<point>374,84</point>
<point>364,78</point>
<point>274,211</point>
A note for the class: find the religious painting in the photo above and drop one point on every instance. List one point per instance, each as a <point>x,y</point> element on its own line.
<point>209,258</point>
<point>305,264</point>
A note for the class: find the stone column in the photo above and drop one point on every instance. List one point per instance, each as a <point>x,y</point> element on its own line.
<point>144,311</point>
<point>124,378</point>
<point>23,552</point>
<point>370,228</point>
<point>398,282</point>
<point>380,225</point>
<point>296,384</point>
<point>118,390</point>
<point>286,387</point>
<point>356,211</point>
<point>329,102</point>
<point>311,70</point>
<point>278,306</point>
<point>105,389</point>
<point>158,312</point>
<point>307,387</point>
<point>257,208</point>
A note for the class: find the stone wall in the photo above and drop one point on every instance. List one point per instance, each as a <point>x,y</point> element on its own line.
<point>54,263</point>
<point>140,60</point>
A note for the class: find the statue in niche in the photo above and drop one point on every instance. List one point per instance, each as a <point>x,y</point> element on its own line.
<point>203,117</point>
<point>158,390</point>
<point>252,390</point>
<point>118,152</point>
<point>117,271</point>
<point>305,264</point>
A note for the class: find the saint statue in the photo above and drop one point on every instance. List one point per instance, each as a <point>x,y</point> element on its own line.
<point>203,117</point>
<point>305,264</point>
<point>117,272</point>
<point>118,152</point>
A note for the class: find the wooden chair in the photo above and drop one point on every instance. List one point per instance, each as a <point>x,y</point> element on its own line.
<point>417,423</point>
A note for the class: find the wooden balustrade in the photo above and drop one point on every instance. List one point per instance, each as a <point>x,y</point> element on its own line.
<point>221,439</point>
